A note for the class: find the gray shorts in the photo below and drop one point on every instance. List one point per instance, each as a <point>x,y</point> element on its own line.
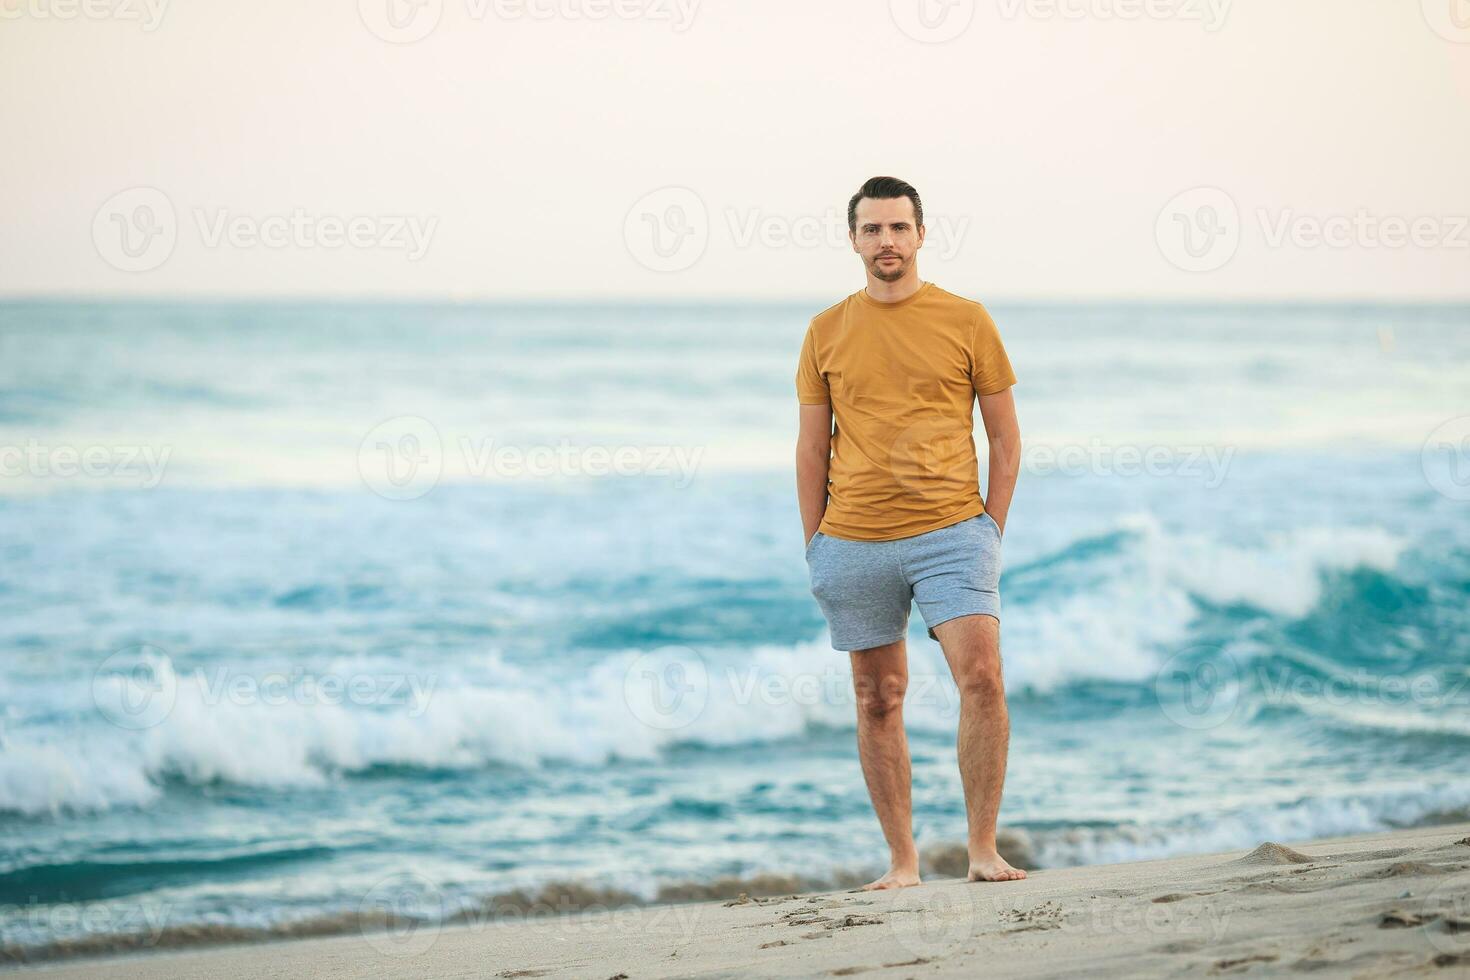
<point>866,588</point>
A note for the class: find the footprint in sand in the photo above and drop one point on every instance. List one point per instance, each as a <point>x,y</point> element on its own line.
<point>850,920</point>
<point>1047,915</point>
<point>1407,869</point>
<point>847,971</point>
<point>1180,896</point>
<point>806,915</point>
<point>1222,966</point>
<point>1401,919</point>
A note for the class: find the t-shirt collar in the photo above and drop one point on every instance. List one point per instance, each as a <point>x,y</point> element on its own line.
<point>862,295</point>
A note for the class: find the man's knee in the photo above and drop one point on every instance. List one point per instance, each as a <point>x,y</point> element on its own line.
<point>981,677</point>
<point>973,650</point>
<point>880,697</point>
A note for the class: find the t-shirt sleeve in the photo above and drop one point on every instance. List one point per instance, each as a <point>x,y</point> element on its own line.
<point>811,387</point>
<point>990,369</point>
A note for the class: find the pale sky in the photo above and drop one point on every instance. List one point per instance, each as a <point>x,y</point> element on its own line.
<point>525,149</point>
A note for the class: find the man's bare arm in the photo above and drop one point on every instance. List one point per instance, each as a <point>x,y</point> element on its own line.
<point>813,457</point>
<point>998,411</point>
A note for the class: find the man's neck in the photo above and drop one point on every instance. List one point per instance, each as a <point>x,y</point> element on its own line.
<point>896,291</point>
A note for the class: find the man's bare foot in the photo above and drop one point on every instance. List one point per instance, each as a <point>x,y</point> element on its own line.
<point>993,867</point>
<point>895,878</point>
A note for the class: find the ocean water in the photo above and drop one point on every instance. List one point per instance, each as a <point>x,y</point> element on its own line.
<point>309,611</point>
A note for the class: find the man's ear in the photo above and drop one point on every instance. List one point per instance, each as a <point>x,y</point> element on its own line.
<point>921,237</point>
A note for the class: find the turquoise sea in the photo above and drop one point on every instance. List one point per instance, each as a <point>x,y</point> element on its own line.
<point>305,608</point>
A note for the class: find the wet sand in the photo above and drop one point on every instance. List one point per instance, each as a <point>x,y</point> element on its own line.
<point>1373,905</point>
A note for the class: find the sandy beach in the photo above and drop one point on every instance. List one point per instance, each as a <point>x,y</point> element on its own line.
<point>1373,905</point>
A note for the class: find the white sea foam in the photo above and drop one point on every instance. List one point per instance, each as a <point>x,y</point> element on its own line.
<point>1302,820</point>
<point>1135,610</point>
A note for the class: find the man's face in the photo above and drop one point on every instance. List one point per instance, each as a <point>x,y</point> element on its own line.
<point>886,236</point>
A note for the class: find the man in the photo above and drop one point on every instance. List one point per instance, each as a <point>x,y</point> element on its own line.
<point>891,507</point>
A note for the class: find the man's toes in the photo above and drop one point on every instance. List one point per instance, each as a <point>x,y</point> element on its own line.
<point>999,874</point>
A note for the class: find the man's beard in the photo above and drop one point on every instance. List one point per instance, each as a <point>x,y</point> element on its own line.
<point>880,271</point>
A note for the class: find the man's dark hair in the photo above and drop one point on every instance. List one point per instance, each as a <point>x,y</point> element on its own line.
<point>884,187</point>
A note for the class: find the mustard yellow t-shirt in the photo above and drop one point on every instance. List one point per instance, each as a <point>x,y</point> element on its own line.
<point>901,379</point>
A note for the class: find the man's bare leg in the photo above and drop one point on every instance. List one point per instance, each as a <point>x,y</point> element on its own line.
<point>880,678</point>
<point>971,644</point>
